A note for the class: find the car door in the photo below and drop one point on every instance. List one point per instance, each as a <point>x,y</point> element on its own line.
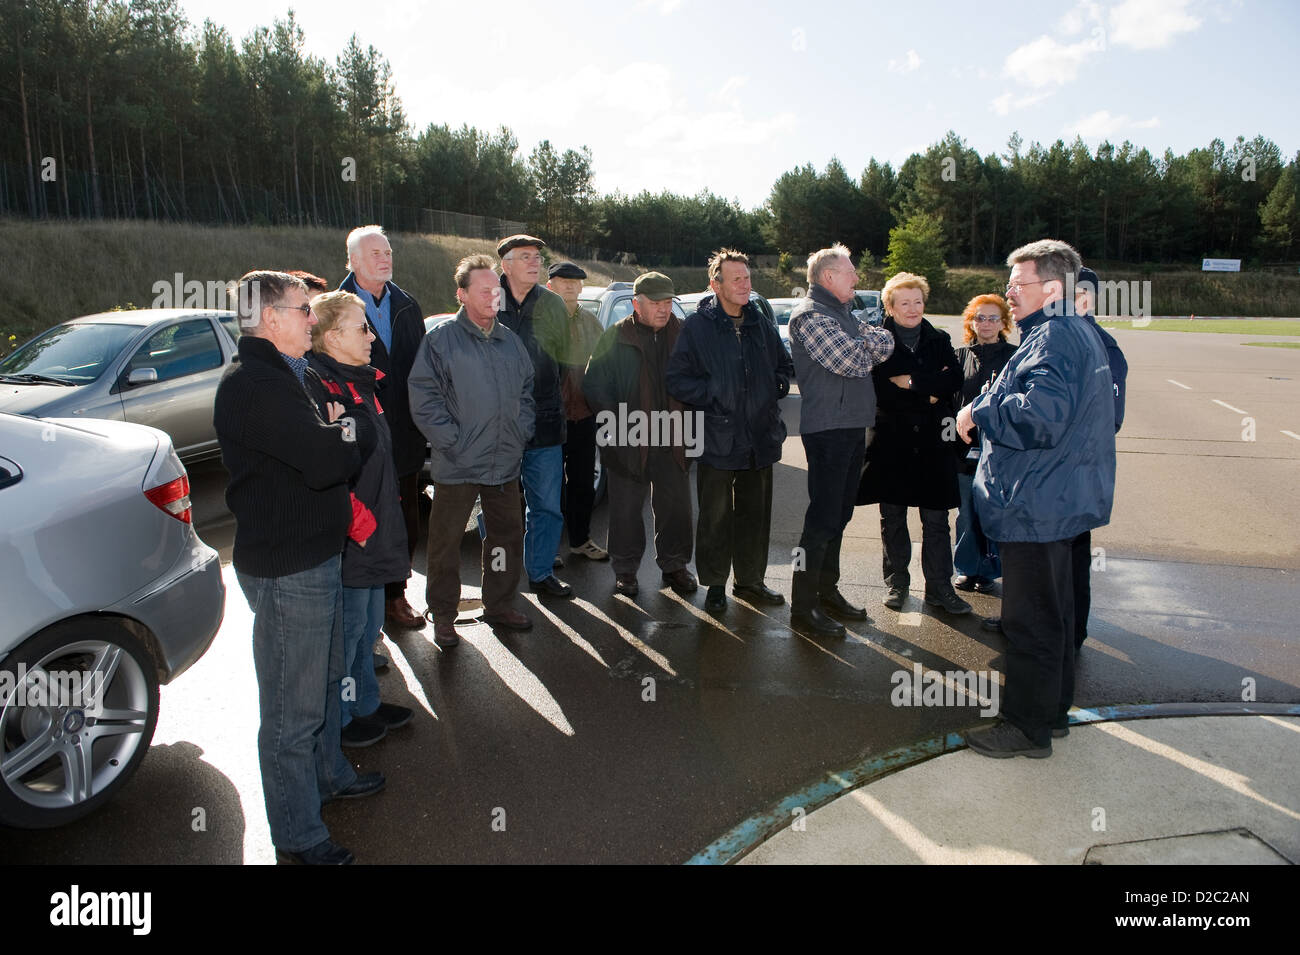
<point>189,360</point>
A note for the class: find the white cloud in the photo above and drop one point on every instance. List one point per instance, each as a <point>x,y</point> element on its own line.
<point>728,93</point>
<point>1150,24</point>
<point>1004,104</point>
<point>1080,16</point>
<point>1046,61</point>
<point>907,64</point>
<point>1102,125</point>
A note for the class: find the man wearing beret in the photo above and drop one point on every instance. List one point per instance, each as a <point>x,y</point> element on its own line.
<point>583,331</point>
<point>538,316</point>
<point>626,384</point>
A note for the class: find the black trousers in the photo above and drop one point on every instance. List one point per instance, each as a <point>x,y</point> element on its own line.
<point>1038,620</point>
<point>834,469</point>
<point>1081,554</point>
<point>936,547</point>
<point>735,524</point>
<point>670,500</point>
<point>579,494</point>
<point>408,486</point>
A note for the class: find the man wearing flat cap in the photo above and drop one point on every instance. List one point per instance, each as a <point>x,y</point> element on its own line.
<point>538,316</point>
<point>643,437</point>
<point>583,331</point>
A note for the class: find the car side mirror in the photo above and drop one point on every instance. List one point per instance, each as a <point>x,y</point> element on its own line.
<point>142,376</point>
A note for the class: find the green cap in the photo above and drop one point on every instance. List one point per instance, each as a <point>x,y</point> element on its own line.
<point>654,285</point>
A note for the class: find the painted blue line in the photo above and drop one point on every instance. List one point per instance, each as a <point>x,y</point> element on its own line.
<point>741,839</point>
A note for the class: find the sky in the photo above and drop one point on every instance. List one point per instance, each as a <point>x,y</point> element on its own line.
<point>686,95</point>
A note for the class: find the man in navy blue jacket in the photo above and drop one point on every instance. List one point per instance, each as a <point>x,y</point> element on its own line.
<point>1046,475</point>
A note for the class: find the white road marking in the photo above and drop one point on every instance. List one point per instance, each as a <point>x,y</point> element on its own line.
<point>1228,406</point>
<point>1291,434</point>
<point>1179,384</point>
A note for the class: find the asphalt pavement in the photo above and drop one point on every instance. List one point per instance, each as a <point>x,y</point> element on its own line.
<point>650,731</point>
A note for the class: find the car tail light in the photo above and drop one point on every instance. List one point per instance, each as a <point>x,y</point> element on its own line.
<point>173,497</point>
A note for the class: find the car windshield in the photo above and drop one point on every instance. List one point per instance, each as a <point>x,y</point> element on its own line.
<point>73,353</point>
<point>782,313</point>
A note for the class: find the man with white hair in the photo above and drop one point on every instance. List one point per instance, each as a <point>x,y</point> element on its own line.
<point>398,324</point>
<point>833,355</point>
<point>1046,475</point>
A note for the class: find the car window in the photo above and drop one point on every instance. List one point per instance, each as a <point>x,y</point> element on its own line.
<point>231,324</point>
<point>76,353</point>
<point>620,310</point>
<point>178,350</point>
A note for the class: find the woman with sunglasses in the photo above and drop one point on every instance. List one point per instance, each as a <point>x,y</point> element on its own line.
<point>986,323</point>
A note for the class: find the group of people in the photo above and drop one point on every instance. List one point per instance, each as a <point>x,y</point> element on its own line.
<point>324,421</point>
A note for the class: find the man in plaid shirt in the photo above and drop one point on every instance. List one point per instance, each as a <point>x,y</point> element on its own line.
<point>833,357</point>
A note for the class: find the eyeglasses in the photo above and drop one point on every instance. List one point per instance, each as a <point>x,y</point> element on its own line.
<point>363,327</point>
<point>988,319</point>
<point>1017,286</point>
<point>305,309</point>
<point>528,258</point>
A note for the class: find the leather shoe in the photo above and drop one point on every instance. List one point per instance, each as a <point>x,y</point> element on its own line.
<point>362,731</point>
<point>835,604</point>
<point>817,622</point>
<point>991,624</point>
<point>715,600</point>
<point>895,598</point>
<point>323,853</point>
<point>949,601</point>
<point>759,593</point>
<point>445,635</point>
<point>402,615</point>
<point>550,586</point>
<point>367,784</point>
<point>391,715</point>
<point>626,584</point>
<point>507,620</point>
<point>682,581</point>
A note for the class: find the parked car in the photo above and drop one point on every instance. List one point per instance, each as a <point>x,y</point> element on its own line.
<point>781,309</point>
<point>868,301</point>
<point>158,367</point>
<point>106,588</point>
<point>691,301</point>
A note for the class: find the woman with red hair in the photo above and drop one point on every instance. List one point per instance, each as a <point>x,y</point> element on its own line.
<point>986,323</point>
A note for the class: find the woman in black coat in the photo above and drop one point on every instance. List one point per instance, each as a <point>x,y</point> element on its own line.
<point>910,461</point>
<point>986,323</point>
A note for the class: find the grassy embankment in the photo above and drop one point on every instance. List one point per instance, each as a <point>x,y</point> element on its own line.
<point>58,270</point>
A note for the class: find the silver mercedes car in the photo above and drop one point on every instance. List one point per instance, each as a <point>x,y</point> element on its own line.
<point>107,592</point>
<point>158,366</point>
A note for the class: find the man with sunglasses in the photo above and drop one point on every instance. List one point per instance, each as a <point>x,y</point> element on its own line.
<point>288,490</point>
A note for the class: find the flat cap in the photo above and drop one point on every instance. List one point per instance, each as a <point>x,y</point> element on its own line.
<point>515,241</point>
<point>566,270</point>
<point>653,285</point>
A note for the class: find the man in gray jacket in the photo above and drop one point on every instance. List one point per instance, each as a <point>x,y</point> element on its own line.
<point>471,391</point>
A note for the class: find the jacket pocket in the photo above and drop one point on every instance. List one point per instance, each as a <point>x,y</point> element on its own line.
<point>719,435</point>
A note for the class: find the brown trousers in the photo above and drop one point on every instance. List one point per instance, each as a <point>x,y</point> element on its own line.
<point>503,547</point>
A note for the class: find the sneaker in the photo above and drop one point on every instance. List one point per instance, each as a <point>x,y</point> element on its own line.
<point>323,853</point>
<point>362,731</point>
<point>991,624</point>
<point>966,582</point>
<point>895,598</point>
<point>948,600</point>
<point>590,550</point>
<point>1004,741</point>
<point>550,586</point>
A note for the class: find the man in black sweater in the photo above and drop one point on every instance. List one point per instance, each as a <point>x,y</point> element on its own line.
<point>288,492</point>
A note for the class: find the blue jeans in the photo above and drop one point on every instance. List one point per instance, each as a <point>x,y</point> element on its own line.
<point>543,480</point>
<point>363,615</point>
<point>298,655</point>
<point>975,554</point>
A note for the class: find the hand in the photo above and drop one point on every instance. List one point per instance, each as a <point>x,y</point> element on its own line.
<point>334,410</point>
<point>965,423</point>
<point>901,380</point>
<point>934,400</point>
